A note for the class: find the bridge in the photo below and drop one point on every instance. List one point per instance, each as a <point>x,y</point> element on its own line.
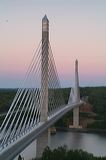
<point>38,103</point>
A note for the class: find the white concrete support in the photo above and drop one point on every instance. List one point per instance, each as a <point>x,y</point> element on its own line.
<point>77,98</point>
<point>76,89</point>
<point>76,117</point>
<point>42,142</point>
<point>44,69</point>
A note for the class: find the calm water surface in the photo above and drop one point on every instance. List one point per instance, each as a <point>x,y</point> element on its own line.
<point>92,143</point>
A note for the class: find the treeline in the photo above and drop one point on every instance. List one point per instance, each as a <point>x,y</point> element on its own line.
<point>61,153</point>
<point>96,97</point>
<point>6,98</point>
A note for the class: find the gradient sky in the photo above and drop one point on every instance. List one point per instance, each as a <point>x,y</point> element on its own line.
<point>77,30</point>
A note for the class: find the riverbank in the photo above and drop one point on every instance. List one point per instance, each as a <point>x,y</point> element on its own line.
<point>81,130</point>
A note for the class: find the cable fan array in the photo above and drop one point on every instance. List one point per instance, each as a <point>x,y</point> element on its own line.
<point>55,95</point>
<point>25,110</point>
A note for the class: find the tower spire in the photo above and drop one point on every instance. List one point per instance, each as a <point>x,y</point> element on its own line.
<point>77,97</point>
<point>77,92</point>
<point>45,24</point>
<point>44,68</point>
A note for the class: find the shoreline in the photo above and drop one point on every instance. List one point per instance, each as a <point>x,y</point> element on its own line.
<point>81,130</point>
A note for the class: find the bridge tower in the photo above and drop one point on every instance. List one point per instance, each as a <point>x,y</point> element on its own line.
<point>44,68</point>
<point>44,138</point>
<point>76,98</point>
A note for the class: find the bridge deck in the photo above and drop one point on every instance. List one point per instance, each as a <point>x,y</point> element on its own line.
<point>12,150</point>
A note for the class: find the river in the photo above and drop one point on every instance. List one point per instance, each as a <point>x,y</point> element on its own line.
<point>90,142</point>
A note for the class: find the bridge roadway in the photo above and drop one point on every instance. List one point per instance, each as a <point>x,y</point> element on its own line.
<point>16,147</point>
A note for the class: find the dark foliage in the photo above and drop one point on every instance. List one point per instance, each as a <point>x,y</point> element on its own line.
<point>61,153</point>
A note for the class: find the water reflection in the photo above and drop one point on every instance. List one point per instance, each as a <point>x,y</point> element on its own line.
<point>92,143</point>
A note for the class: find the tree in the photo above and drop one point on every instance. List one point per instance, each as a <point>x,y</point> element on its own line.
<point>19,157</point>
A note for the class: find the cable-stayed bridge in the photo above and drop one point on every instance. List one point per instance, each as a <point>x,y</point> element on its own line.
<point>38,103</point>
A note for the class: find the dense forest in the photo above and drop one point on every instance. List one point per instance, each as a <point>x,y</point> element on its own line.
<point>61,153</point>
<point>6,98</point>
<point>96,96</point>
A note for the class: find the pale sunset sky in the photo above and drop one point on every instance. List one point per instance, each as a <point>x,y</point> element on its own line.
<point>77,31</point>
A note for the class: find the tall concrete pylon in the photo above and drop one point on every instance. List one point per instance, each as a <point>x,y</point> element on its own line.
<point>76,88</point>
<point>44,68</point>
<point>44,138</point>
<point>76,98</point>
